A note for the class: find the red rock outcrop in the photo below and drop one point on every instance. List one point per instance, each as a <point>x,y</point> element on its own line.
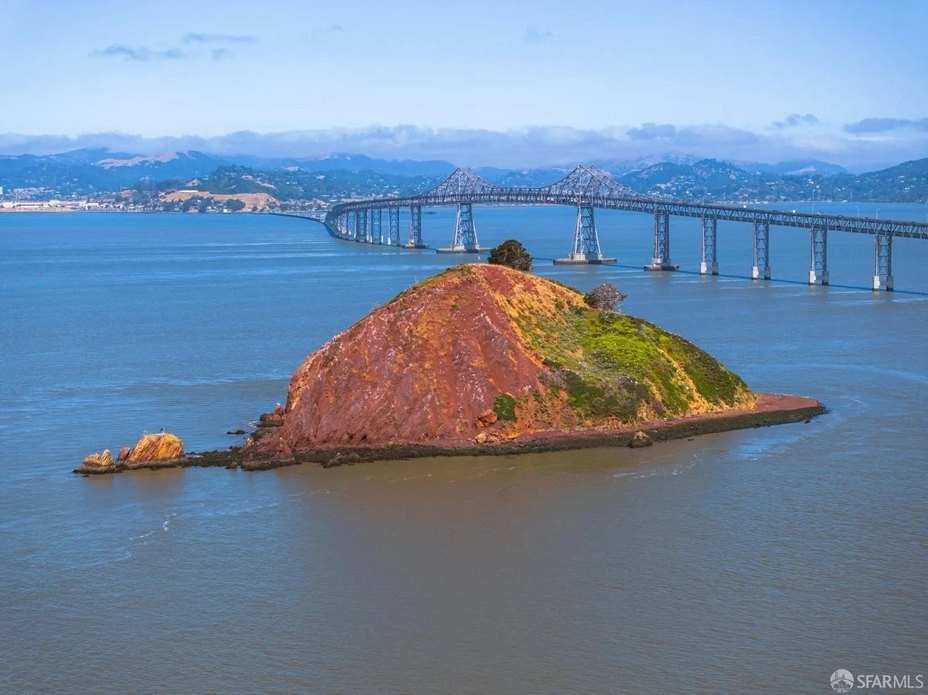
<point>483,353</point>
<point>424,367</point>
<point>156,448</point>
<point>98,463</point>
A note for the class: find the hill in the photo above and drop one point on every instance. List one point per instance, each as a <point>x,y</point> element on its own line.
<point>486,350</point>
<point>299,181</point>
<point>712,180</point>
<point>482,359</point>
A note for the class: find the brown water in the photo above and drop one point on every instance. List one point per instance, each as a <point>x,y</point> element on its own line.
<point>752,561</point>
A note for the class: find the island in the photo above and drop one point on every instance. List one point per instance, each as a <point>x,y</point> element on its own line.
<point>486,359</point>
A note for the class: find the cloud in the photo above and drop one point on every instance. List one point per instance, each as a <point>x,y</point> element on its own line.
<point>869,126</point>
<point>337,27</point>
<point>192,41</point>
<point>651,131</point>
<point>796,119</point>
<point>140,53</point>
<point>198,37</point>
<point>533,35</point>
<point>534,146</point>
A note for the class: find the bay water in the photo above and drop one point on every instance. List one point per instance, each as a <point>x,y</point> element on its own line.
<point>759,560</point>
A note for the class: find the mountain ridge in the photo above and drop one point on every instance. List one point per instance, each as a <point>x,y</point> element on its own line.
<point>95,171</point>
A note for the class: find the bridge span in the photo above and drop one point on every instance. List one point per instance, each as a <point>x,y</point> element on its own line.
<point>587,188</point>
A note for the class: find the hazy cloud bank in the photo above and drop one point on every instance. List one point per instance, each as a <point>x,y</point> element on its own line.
<point>853,145</point>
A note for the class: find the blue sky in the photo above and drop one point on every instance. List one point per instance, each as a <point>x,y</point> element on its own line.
<point>846,79</point>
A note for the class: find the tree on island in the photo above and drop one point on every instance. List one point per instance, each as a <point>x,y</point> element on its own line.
<point>607,296</point>
<point>511,253</point>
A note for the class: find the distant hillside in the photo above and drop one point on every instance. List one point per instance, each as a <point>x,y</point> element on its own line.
<point>796,167</point>
<point>83,172</point>
<point>711,180</point>
<point>306,185</point>
<point>99,171</point>
<point>354,163</point>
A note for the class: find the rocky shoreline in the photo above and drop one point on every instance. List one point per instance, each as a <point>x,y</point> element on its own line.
<point>771,409</point>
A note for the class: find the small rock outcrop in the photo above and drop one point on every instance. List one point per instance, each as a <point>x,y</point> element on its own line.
<point>486,418</point>
<point>98,463</point>
<point>275,418</point>
<point>124,454</point>
<point>639,440</point>
<point>154,449</point>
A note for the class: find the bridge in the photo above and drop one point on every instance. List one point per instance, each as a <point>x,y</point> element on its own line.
<point>587,188</point>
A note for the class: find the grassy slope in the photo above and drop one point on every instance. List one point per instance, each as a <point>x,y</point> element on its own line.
<point>615,366</point>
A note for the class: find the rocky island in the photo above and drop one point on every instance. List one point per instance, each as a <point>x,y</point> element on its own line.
<point>486,359</point>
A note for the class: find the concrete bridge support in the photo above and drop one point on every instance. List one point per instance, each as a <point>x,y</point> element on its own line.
<point>818,260</point>
<point>375,227</point>
<point>709,262</point>
<point>883,261</point>
<point>359,230</point>
<point>464,239</point>
<point>585,247</point>
<point>661,257</point>
<point>761,267</point>
<point>393,226</point>
<point>415,228</point>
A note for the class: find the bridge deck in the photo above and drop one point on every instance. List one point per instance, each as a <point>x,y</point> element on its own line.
<point>589,186</point>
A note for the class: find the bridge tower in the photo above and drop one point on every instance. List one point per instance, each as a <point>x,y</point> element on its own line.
<point>661,258</point>
<point>585,247</point>
<point>883,261</point>
<point>709,262</point>
<point>464,239</point>
<point>393,226</point>
<point>415,228</point>
<point>761,250</point>
<point>818,257</point>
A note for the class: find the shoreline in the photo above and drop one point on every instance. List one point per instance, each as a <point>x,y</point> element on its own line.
<point>771,409</point>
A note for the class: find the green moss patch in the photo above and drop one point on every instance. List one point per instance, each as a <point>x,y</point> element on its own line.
<point>610,364</point>
<point>505,407</point>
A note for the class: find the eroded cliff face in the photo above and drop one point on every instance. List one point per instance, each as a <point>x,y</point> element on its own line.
<point>486,351</point>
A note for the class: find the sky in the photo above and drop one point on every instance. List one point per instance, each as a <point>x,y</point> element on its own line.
<point>490,81</point>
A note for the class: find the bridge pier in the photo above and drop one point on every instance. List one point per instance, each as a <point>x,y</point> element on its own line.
<point>355,229</point>
<point>818,261</point>
<point>709,261</point>
<point>761,251</point>
<point>585,247</point>
<point>661,258</point>
<point>883,261</point>
<point>377,226</point>
<point>464,239</point>
<point>415,228</point>
<point>366,222</point>
<point>393,226</point>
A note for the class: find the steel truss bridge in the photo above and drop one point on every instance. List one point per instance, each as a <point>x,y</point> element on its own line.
<point>587,188</point>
